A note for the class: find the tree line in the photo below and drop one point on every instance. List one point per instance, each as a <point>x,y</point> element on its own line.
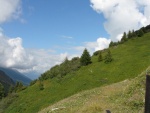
<point>70,66</point>
<point>130,35</point>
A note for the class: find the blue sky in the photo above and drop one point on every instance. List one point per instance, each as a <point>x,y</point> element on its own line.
<point>36,35</point>
<point>51,23</point>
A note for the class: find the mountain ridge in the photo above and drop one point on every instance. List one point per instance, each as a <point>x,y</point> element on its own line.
<point>6,81</point>
<point>16,76</point>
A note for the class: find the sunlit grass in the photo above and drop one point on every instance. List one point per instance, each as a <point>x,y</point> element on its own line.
<point>123,97</point>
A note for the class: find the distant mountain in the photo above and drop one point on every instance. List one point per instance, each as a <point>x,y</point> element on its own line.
<point>16,76</point>
<point>33,75</point>
<point>6,81</point>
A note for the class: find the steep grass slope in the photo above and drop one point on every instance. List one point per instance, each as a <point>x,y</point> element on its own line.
<point>122,97</point>
<point>130,59</point>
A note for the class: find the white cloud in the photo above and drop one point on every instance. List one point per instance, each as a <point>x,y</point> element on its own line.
<point>13,55</point>
<point>90,46</point>
<point>102,43</point>
<point>122,15</point>
<point>9,9</point>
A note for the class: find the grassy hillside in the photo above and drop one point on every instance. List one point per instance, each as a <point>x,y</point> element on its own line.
<point>122,97</point>
<point>129,60</point>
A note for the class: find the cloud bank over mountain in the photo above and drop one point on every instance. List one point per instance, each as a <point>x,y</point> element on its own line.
<point>14,55</point>
<point>122,15</point>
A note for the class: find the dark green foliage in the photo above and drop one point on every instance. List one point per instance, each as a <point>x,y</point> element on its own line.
<point>85,58</point>
<point>113,44</point>
<point>147,28</point>
<point>11,89</point>
<point>140,33</point>
<point>124,37</point>
<point>133,34</point>
<point>100,58</point>
<point>41,86</point>
<point>143,29</point>
<point>54,71</point>
<point>19,87</point>
<point>6,81</point>
<point>2,93</point>
<point>75,64</point>
<point>129,34</point>
<point>43,77</point>
<point>4,103</point>
<point>108,57</point>
<point>68,66</point>
<point>61,70</point>
<point>96,53</point>
<point>33,82</point>
<point>19,84</point>
<point>64,68</point>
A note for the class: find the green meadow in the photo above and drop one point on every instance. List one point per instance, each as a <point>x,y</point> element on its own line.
<point>129,60</point>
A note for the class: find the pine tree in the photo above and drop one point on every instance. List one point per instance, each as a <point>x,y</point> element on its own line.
<point>124,37</point>
<point>133,33</point>
<point>66,60</point>
<point>85,58</point>
<point>129,34</point>
<point>140,33</point>
<point>108,57</point>
<point>100,57</point>
<point>144,29</point>
<point>11,88</point>
<point>18,87</point>
<point>111,44</point>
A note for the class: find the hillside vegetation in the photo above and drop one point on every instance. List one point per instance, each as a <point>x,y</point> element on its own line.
<point>127,96</point>
<point>129,60</point>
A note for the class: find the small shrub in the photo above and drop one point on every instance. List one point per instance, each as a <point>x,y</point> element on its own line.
<point>108,57</point>
<point>33,82</point>
<point>41,86</point>
<point>5,102</point>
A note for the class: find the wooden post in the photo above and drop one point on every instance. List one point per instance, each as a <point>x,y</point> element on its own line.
<point>147,95</point>
<point>108,111</point>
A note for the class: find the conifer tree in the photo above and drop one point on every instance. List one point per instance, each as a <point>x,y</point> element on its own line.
<point>143,29</point>
<point>85,58</point>
<point>100,57</point>
<point>140,33</point>
<point>129,34</point>
<point>124,37</point>
<point>133,33</point>
<point>108,57</point>
<point>66,60</point>
<point>11,88</point>
<point>111,44</point>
